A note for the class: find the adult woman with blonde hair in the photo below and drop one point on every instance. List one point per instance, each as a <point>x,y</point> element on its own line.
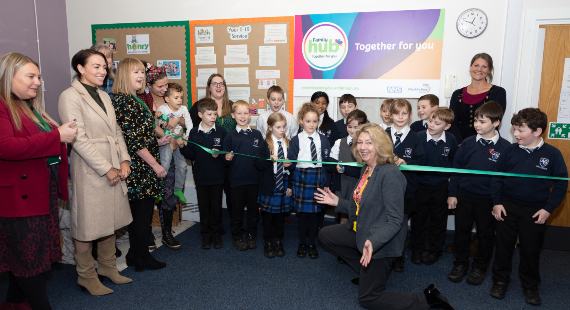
<point>100,164</point>
<point>33,177</point>
<point>375,233</point>
<point>146,180</point>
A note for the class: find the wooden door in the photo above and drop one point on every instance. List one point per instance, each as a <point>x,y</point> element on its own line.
<point>556,49</point>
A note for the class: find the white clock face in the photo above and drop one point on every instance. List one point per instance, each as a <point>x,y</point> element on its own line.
<point>472,23</point>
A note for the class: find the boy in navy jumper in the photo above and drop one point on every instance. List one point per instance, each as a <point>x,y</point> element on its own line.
<point>346,103</point>
<point>523,205</point>
<point>244,178</point>
<point>208,172</point>
<point>469,194</point>
<point>426,104</point>
<point>410,151</point>
<point>431,196</point>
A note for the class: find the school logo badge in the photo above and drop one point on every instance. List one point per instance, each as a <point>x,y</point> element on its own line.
<point>326,152</point>
<point>255,142</point>
<point>328,133</point>
<point>446,151</point>
<point>217,141</point>
<point>495,155</point>
<point>544,162</point>
<point>408,152</point>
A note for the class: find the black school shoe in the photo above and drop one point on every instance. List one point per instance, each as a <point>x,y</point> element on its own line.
<point>532,297</point>
<point>457,273</point>
<point>355,281</point>
<point>417,258</point>
<point>431,258</point>
<point>313,254</point>
<point>398,264</point>
<point>302,251</point>
<point>218,243</point>
<point>435,300</point>
<point>499,289</point>
<point>476,277</point>
<point>206,243</point>
<point>279,250</point>
<point>251,244</point>
<point>268,250</point>
<point>240,245</point>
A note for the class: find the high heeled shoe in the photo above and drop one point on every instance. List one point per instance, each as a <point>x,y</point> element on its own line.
<point>107,262</point>
<point>87,277</point>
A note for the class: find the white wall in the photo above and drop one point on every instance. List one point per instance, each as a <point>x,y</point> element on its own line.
<point>457,51</point>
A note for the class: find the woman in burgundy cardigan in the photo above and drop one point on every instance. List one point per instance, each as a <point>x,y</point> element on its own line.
<point>33,177</point>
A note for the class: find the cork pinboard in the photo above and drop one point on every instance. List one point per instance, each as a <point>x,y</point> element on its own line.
<point>167,41</point>
<point>228,33</point>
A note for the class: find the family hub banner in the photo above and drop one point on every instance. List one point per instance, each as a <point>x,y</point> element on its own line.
<point>372,54</point>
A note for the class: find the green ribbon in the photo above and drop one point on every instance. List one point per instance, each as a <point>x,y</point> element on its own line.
<point>355,164</point>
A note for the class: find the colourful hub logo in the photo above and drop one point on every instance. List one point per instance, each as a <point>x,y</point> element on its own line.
<point>325,46</point>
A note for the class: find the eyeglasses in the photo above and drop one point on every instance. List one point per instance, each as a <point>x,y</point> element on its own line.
<point>221,84</point>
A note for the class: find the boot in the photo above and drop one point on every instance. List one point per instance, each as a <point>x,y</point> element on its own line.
<point>167,237</point>
<point>87,276</point>
<point>107,262</point>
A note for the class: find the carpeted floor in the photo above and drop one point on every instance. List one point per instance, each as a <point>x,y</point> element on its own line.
<point>228,279</point>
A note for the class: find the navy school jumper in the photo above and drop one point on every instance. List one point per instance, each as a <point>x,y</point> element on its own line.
<point>440,155</point>
<point>242,170</point>
<point>207,170</point>
<point>411,149</point>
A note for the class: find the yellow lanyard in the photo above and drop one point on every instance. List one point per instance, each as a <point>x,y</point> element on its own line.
<point>360,194</point>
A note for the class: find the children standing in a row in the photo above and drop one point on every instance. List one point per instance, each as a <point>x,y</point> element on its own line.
<point>275,101</point>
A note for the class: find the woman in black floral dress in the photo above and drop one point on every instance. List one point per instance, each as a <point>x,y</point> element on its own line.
<point>146,179</point>
<point>33,176</point>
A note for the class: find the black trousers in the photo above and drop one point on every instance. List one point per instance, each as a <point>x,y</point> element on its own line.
<point>242,196</point>
<point>139,228</point>
<point>431,216</point>
<point>228,190</point>
<point>31,288</point>
<point>372,293</point>
<point>210,206</point>
<point>518,222</point>
<point>480,210</point>
<point>273,226</point>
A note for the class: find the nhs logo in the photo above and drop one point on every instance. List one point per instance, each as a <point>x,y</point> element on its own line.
<point>394,89</point>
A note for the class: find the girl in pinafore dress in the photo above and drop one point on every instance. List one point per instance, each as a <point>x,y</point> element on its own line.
<point>309,145</point>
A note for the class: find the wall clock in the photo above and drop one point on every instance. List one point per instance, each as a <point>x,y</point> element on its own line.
<point>471,23</point>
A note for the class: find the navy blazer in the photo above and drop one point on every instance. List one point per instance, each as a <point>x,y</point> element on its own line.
<point>267,177</point>
<point>293,152</point>
<point>381,215</point>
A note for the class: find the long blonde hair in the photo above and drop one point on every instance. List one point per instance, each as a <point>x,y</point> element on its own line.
<point>9,65</point>
<point>380,139</point>
<point>122,82</point>
<point>271,121</point>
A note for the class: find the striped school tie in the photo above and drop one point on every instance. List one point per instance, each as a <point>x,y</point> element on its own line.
<point>313,151</point>
<point>398,135</point>
<point>279,178</point>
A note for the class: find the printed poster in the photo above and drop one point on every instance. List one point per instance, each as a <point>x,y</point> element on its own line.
<point>172,68</point>
<point>138,44</point>
<point>111,42</point>
<point>204,34</point>
<point>370,54</point>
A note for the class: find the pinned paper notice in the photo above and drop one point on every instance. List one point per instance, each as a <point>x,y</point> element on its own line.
<point>204,34</point>
<point>202,81</point>
<point>236,76</point>
<point>236,60</point>
<point>239,91</point>
<point>267,74</point>
<point>564,102</point>
<point>205,59</point>
<point>275,33</point>
<point>201,93</point>
<point>206,72</point>
<point>236,49</point>
<point>265,84</point>
<point>206,50</point>
<point>267,56</point>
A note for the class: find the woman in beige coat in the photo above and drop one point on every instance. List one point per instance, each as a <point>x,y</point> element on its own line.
<point>99,166</point>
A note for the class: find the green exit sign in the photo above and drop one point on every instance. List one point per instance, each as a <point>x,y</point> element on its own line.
<point>559,131</point>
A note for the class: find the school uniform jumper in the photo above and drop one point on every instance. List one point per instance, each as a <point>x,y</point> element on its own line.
<point>522,198</point>
<point>431,195</point>
<point>272,194</point>
<point>244,179</point>
<point>419,125</point>
<point>410,149</point>
<point>473,193</point>
<point>341,128</point>
<point>307,178</point>
<point>208,176</point>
